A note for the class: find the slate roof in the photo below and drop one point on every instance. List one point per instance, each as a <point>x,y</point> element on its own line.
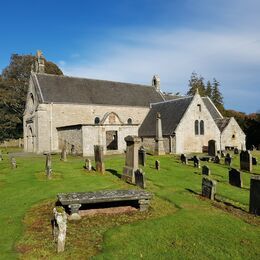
<point>64,89</point>
<point>171,114</point>
<point>222,123</point>
<point>211,108</point>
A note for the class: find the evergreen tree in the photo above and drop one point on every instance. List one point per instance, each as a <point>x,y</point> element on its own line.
<point>196,82</point>
<point>208,91</point>
<point>216,96</point>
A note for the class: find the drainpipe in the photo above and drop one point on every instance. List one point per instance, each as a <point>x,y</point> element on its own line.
<point>51,127</point>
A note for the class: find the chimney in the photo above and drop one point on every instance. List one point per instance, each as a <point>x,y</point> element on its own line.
<point>156,82</point>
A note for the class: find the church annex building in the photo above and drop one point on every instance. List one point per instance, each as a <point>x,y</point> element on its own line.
<point>86,112</point>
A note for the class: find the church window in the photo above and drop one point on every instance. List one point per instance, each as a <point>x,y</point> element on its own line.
<point>199,107</point>
<point>201,127</point>
<point>97,120</point>
<point>196,125</point>
<point>129,121</point>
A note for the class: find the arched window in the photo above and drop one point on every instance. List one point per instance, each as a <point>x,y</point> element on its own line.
<point>196,126</point>
<point>201,127</point>
<point>97,120</point>
<point>129,121</point>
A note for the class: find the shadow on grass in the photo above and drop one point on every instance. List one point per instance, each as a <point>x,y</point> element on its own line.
<point>114,172</point>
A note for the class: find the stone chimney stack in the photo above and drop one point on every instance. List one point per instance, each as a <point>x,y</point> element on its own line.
<point>156,82</point>
<point>39,63</point>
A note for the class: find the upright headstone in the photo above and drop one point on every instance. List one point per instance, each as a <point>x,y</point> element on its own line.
<point>99,158</point>
<point>48,168</point>
<point>141,156</point>
<point>254,161</point>
<point>236,151</point>
<point>13,163</point>
<point>228,159</point>
<point>205,170</point>
<point>131,158</point>
<point>59,229</point>
<point>235,178</point>
<point>63,156</point>
<point>139,178</point>
<point>184,159</point>
<point>88,165</point>
<point>212,148</point>
<point>208,188</point>
<point>157,165</point>
<point>217,159</point>
<point>159,146</point>
<point>196,161</point>
<point>245,161</point>
<point>254,202</point>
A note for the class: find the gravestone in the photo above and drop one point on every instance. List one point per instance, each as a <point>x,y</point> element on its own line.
<point>141,156</point>
<point>63,156</point>
<point>48,168</point>
<point>228,159</point>
<point>236,151</point>
<point>184,159</point>
<point>159,146</point>
<point>205,170</point>
<point>223,154</point>
<point>217,159</point>
<point>212,148</point>
<point>131,158</point>
<point>208,188</point>
<point>245,161</point>
<point>1,156</point>
<point>139,178</point>
<point>59,228</point>
<point>157,165</point>
<point>196,161</point>
<point>235,178</point>
<point>254,202</point>
<point>73,150</point>
<point>254,161</point>
<point>99,158</point>
<point>88,165</point>
<point>13,163</point>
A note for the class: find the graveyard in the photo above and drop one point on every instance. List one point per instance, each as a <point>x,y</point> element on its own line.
<point>180,223</point>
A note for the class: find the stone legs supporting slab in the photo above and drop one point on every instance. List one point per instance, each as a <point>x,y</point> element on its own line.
<point>74,211</point>
<point>143,204</point>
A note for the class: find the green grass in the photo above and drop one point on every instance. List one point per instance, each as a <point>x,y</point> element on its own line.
<point>180,224</point>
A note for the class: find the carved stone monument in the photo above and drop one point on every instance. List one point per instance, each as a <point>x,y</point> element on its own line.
<point>60,228</point>
<point>63,156</point>
<point>141,156</point>
<point>48,168</point>
<point>235,178</point>
<point>212,148</point>
<point>254,202</point>
<point>13,163</point>
<point>159,146</point>
<point>245,161</point>
<point>140,178</point>
<point>205,170</point>
<point>131,158</point>
<point>99,158</point>
<point>208,188</point>
<point>88,165</point>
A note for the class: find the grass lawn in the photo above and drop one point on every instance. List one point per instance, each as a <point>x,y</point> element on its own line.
<point>179,225</point>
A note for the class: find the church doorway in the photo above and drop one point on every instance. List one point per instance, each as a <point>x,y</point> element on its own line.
<point>30,140</point>
<point>111,140</point>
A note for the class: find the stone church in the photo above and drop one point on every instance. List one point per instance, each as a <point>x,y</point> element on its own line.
<point>86,112</point>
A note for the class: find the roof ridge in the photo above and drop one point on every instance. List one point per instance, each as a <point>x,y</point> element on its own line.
<point>172,100</point>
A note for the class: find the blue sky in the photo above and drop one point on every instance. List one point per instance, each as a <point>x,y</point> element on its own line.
<point>130,40</point>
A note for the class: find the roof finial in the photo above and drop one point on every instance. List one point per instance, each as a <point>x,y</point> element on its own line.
<point>197,91</point>
<point>39,63</point>
<point>156,82</point>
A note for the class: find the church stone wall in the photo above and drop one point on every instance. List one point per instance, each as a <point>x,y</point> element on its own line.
<point>233,136</point>
<point>186,140</point>
<point>149,144</point>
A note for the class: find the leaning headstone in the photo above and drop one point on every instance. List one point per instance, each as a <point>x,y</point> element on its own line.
<point>141,156</point>
<point>139,178</point>
<point>217,159</point>
<point>99,158</point>
<point>246,161</point>
<point>208,188</point>
<point>88,165</point>
<point>254,202</point>
<point>235,178</point>
<point>13,163</point>
<point>228,159</point>
<point>157,165</point>
<point>205,170</point>
<point>254,161</point>
<point>159,146</point>
<point>236,151</point>
<point>60,228</point>
<point>212,148</point>
<point>131,158</point>
<point>196,161</point>
<point>48,168</point>
<point>184,158</point>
